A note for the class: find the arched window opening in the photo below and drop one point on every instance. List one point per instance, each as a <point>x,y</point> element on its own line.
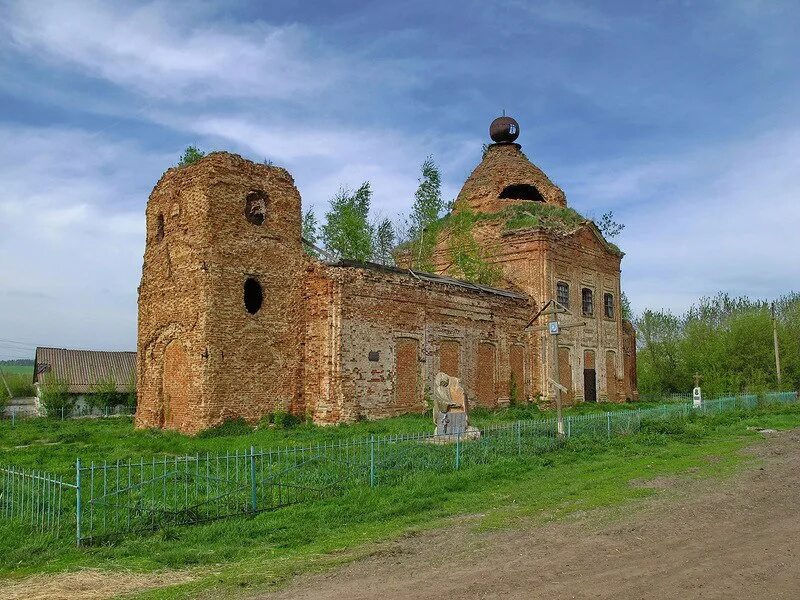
<point>255,207</point>
<point>521,191</point>
<point>253,295</point>
<point>562,294</point>
<point>159,227</point>
<point>588,302</point>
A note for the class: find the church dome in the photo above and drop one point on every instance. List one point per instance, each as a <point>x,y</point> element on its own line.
<point>505,176</point>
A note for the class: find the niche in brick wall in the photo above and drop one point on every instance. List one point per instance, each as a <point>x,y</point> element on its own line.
<point>255,207</point>
<point>159,227</point>
<point>253,295</point>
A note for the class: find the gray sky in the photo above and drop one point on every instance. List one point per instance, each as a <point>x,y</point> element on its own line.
<point>681,117</point>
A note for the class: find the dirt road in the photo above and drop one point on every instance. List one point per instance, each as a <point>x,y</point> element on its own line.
<point>733,540</point>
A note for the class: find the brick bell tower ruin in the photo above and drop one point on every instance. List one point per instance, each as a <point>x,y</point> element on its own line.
<point>236,320</point>
<point>220,298</point>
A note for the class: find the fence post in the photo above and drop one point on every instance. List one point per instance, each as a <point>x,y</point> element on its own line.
<point>458,450</point>
<point>608,418</point>
<point>569,427</point>
<point>78,500</point>
<point>372,461</point>
<point>253,488</point>
<point>519,438</point>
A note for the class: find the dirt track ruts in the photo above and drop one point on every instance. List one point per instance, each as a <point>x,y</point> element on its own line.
<point>734,539</point>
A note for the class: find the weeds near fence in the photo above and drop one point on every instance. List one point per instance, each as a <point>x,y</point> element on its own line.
<point>110,499</point>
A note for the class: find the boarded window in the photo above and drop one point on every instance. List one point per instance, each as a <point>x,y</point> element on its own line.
<point>562,294</point>
<point>175,385</point>
<point>450,357</point>
<point>516,386</point>
<point>588,302</point>
<point>407,393</point>
<point>611,376</point>
<point>565,374</point>
<point>485,378</point>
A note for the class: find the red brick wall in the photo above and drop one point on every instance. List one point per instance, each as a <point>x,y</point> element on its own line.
<point>374,310</point>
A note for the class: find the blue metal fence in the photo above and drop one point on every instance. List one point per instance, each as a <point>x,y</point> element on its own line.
<point>123,497</point>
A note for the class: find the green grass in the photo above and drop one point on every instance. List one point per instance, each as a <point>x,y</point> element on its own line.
<point>264,551</point>
<point>53,445</point>
<point>26,370</point>
<point>19,379</point>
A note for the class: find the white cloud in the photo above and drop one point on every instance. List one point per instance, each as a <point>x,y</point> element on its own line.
<point>72,208</point>
<point>716,217</point>
<point>165,51</point>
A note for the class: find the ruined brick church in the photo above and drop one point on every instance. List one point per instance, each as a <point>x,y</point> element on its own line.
<point>236,319</point>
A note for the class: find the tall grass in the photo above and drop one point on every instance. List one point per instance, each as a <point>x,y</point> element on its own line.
<point>262,551</point>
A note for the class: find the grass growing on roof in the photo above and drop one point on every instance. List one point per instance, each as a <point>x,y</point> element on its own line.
<point>467,258</point>
<point>264,551</point>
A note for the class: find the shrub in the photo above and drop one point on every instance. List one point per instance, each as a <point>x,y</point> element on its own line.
<point>55,397</point>
<point>104,395</point>
<point>284,420</point>
<point>191,155</point>
<point>130,394</point>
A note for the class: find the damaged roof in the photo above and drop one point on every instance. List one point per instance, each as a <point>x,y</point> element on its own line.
<point>429,277</point>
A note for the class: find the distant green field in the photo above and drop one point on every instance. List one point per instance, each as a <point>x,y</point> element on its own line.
<point>19,378</point>
<point>18,370</point>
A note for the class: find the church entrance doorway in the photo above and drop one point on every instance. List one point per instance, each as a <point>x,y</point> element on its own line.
<point>589,377</point>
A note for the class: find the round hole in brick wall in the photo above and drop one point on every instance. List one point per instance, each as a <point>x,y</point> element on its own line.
<point>253,295</point>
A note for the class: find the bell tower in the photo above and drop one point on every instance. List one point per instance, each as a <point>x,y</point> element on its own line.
<point>220,295</point>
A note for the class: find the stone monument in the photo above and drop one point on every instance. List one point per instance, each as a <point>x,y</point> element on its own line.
<point>450,408</point>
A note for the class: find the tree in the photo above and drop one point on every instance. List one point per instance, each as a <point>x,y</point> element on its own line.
<point>627,311</point>
<point>190,156</point>
<point>427,199</point>
<point>425,212</point>
<point>309,230</point>
<point>347,232</point>
<point>608,226</point>
<point>384,243</point>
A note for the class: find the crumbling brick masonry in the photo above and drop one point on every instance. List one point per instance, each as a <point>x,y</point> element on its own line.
<point>236,320</point>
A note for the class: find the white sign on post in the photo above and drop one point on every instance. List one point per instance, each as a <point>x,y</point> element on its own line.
<point>697,397</point>
<point>552,326</point>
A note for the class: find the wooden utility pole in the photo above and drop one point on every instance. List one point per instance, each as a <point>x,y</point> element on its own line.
<point>553,308</point>
<point>777,350</point>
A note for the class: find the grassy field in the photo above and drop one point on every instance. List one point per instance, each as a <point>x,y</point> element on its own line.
<point>26,370</point>
<point>53,445</point>
<point>19,379</point>
<point>263,551</point>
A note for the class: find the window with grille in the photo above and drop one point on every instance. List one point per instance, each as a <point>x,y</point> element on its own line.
<point>608,303</point>
<point>562,294</point>
<point>588,302</point>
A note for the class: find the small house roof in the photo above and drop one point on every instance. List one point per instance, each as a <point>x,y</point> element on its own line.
<point>82,369</point>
